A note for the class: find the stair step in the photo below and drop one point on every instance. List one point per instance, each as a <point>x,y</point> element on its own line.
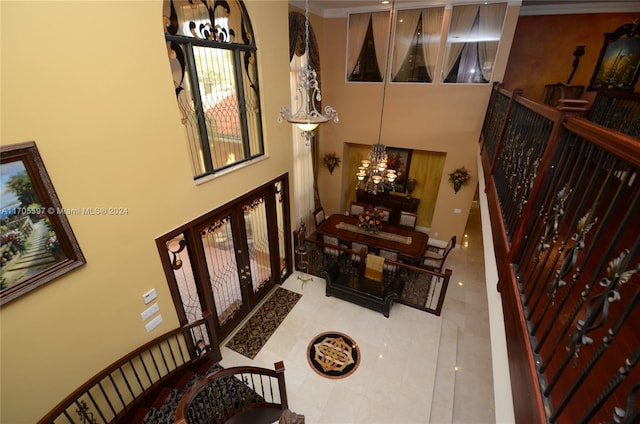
<point>138,417</point>
<point>202,366</point>
<point>161,397</point>
<point>445,381</point>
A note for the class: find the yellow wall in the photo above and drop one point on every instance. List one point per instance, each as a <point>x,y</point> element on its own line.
<point>89,82</point>
<point>431,117</point>
<point>532,66</point>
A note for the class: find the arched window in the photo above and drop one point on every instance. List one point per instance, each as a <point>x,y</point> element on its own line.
<point>212,53</point>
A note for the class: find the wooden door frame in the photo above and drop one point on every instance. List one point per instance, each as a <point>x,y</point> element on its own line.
<point>199,266</point>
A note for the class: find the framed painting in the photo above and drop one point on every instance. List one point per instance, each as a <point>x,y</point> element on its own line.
<point>619,63</point>
<point>399,159</point>
<point>37,244</point>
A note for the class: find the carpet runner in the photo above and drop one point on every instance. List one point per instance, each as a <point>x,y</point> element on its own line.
<point>249,339</point>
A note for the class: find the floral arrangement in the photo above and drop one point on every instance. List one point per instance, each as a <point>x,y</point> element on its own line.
<point>52,244</point>
<point>371,219</point>
<point>331,161</point>
<point>459,177</point>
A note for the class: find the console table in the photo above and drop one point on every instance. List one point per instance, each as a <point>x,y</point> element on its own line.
<point>394,202</point>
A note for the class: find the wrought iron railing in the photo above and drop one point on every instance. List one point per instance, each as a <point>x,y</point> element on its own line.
<point>244,394</point>
<point>116,390</point>
<point>569,268</point>
<point>423,288</point>
<point>618,111</point>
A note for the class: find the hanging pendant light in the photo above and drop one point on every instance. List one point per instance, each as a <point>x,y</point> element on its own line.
<point>307,117</point>
<point>373,176</point>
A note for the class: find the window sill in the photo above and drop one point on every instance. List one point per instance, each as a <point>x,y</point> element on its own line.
<point>230,170</point>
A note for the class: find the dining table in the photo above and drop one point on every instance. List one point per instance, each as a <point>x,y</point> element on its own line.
<point>409,243</point>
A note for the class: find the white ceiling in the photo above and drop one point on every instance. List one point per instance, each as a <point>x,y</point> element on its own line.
<point>341,8</point>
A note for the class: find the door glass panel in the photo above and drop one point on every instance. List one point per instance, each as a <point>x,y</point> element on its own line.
<point>257,233</point>
<point>180,260</point>
<point>222,267</point>
<point>281,233</point>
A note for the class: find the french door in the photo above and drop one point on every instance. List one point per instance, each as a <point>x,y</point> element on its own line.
<point>226,261</point>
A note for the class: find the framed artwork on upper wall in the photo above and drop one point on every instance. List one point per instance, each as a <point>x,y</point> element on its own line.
<point>619,63</point>
<point>37,244</point>
<point>400,160</point>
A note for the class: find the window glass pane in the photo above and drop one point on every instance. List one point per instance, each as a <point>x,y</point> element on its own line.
<point>186,105</point>
<point>212,55</point>
<point>216,75</point>
<point>472,42</point>
<point>416,44</point>
<point>367,43</point>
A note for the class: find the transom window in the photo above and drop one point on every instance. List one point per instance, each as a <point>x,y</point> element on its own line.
<point>416,43</point>
<point>367,46</point>
<point>212,54</point>
<point>472,42</point>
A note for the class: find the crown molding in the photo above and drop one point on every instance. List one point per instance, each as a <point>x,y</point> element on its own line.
<point>581,8</point>
<point>560,8</point>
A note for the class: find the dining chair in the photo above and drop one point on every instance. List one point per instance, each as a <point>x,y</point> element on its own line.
<point>435,256</point>
<point>391,255</point>
<point>318,216</point>
<point>330,252</point>
<point>408,219</point>
<point>356,208</point>
<point>386,213</point>
<point>357,247</point>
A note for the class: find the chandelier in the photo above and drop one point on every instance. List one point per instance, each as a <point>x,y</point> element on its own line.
<point>307,117</point>
<point>373,175</point>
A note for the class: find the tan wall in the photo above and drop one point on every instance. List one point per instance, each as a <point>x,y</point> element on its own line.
<point>90,83</point>
<point>432,117</point>
<point>543,47</point>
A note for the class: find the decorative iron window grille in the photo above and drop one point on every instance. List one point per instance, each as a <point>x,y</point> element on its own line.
<point>212,54</point>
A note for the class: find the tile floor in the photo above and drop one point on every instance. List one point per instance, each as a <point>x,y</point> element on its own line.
<point>415,367</point>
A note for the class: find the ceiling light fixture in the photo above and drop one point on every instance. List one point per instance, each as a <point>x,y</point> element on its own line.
<point>307,117</point>
<point>373,175</point>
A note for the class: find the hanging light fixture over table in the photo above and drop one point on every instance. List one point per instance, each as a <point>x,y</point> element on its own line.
<point>307,117</point>
<point>373,175</point>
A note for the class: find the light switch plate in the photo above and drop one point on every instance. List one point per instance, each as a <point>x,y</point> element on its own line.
<point>153,323</point>
<point>149,296</point>
<point>150,311</point>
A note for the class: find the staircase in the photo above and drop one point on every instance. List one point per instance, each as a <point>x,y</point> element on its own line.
<point>33,260</point>
<point>160,404</point>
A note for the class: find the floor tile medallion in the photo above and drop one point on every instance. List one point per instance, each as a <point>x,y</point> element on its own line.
<point>333,355</point>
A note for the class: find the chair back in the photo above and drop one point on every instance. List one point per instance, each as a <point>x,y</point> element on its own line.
<point>318,216</point>
<point>408,219</point>
<point>356,208</point>
<point>386,213</point>
<point>357,247</point>
<point>333,241</point>
<point>435,260</point>
<point>391,255</point>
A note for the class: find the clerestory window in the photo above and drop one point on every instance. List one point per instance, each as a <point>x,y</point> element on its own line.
<point>367,46</point>
<point>212,54</point>
<point>416,43</point>
<point>472,43</point>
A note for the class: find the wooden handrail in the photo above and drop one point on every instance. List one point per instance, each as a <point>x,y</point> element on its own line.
<point>564,252</point>
<point>242,375</point>
<point>409,272</point>
<point>113,402</point>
